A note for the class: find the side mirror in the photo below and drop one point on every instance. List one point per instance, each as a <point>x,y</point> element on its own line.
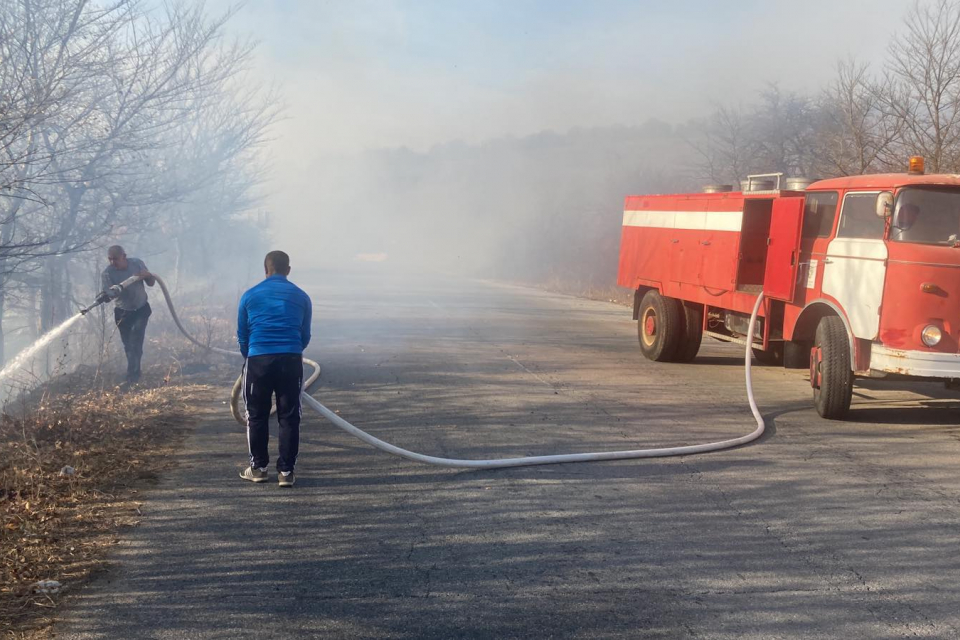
<point>885,204</point>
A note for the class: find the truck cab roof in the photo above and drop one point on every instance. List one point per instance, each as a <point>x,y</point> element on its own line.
<point>887,181</point>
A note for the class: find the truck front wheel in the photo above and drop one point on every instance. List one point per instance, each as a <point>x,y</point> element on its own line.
<point>831,374</point>
<point>658,326</point>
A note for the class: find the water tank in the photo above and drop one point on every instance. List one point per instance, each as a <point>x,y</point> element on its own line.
<point>757,184</point>
<point>797,184</point>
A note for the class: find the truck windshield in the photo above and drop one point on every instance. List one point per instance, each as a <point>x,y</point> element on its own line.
<point>927,216</point>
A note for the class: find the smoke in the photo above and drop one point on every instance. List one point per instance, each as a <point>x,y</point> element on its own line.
<point>499,138</point>
<point>531,208</point>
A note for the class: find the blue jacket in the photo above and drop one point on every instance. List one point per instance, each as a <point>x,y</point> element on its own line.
<point>274,317</point>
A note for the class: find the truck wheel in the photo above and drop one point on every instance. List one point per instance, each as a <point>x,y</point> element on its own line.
<point>691,335</point>
<point>658,326</point>
<point>831,375</point>
<point>772,357</point>
<point>796,354</point>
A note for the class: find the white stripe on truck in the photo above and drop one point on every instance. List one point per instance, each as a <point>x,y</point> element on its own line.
<point>697,220</point>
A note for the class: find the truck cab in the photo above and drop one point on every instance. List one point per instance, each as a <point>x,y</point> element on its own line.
<point>882,252</point>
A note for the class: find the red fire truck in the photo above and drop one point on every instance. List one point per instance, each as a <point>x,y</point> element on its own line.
<point>861,275</point>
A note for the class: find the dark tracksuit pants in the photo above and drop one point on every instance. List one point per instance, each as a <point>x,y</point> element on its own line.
<point>279,374</point>
<point>133,329</point>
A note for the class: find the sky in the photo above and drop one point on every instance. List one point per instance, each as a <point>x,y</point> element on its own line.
<point>367,74</point>
<point>359,74</point>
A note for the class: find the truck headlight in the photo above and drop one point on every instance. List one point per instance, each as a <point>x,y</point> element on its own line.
<point>931,335</point>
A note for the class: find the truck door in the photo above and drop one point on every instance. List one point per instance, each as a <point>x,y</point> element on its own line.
<point>855,265</point>
<point>783,249</point>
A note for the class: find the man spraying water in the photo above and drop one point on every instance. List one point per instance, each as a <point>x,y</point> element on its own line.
<point>131,310</point>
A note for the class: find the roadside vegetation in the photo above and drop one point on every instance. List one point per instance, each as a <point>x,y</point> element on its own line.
<point>76,455</point>
<point>132,123</point>
<point>72,466</point>
<point>128,122</point>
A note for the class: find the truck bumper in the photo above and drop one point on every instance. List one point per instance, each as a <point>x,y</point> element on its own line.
<point>926,364</point>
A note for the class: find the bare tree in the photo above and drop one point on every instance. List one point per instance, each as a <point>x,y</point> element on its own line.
<point>784,126</point>
<point>777,134</point>
<point>216,164</point>
<point>50,50</point>
<point>855,131</point>
<point>107,155</point>
<point>116,120</point>
<point>922,85</point>
<point>726,145</point>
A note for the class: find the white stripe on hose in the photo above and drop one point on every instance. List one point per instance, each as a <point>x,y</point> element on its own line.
<point>299,412</point>
<point>246,410</point>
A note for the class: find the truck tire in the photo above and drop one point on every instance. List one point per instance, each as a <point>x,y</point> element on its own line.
<point>831,374</point>
<point>658,327</point>
<point>691,335</point>
<point>772,357</point>
<point>796,354</point>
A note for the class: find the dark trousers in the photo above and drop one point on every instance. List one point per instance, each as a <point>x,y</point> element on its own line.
<point>133,328</point>
<point>279,374</point>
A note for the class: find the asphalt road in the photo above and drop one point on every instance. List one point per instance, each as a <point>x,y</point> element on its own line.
<point>820,529</point>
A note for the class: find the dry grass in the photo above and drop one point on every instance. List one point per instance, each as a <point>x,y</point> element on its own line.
<point>57,525</point>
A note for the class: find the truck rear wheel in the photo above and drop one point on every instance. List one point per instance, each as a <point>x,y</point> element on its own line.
<point>691,323</point>
<point>772,357</point>
<point>796,354</point>
<point>658,326</point>
<point>831,374</point>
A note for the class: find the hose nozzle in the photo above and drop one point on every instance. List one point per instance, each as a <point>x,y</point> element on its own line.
<point>102,297</point>
<point>111,293</point>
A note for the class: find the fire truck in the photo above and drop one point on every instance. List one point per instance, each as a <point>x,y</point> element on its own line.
<point>860,275</point>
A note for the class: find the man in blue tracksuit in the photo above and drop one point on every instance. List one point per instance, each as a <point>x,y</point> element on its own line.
<point>273,329</point>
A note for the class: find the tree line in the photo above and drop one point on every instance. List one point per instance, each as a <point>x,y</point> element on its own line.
<point>122,122</point>
<point>865,120</point>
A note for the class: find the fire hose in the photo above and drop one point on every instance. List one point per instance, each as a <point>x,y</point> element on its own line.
<point>501,462</point>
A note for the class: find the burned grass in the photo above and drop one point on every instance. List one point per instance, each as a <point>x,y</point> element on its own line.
<point>72,466</point>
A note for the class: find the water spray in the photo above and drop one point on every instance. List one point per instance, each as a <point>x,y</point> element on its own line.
<point>104,296</point>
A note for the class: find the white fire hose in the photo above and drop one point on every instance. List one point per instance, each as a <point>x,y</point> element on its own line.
<point>500,462</point>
